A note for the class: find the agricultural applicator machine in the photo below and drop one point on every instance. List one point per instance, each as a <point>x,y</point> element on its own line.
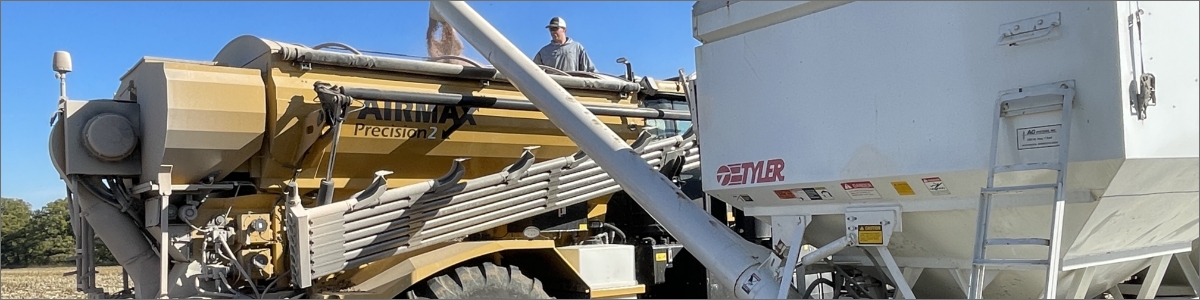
<point>281,170</point>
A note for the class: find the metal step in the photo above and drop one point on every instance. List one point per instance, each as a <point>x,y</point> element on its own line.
<point>1012,262</point>
<point>1019,241</point>
<point>1018,188</point>
<point>1028,167</point>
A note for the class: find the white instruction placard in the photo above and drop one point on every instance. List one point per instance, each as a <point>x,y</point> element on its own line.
<point>859,190</point>
<point>1038,137</point>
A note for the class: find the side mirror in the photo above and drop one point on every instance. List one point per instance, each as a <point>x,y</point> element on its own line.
<point>628,68</point>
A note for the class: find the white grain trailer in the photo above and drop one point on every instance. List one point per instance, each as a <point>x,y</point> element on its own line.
<point>875,124</point>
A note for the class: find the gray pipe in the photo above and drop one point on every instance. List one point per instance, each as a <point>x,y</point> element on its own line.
<point>735,261</point>
<point>499,103</point>
<point>125,242</point>
<point>349,60</point>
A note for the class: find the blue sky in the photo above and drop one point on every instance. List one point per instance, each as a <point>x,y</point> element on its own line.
<point>106,38</point>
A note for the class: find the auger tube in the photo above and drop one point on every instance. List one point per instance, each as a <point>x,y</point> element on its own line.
<point>117,230</point>
<point>736,262</point>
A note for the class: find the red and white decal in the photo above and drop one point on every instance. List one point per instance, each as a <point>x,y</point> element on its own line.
<point>762,171</point>
<point>860,190</point>
<point>936,186</point>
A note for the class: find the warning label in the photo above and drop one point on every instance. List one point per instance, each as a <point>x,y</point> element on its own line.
<point>936,186</point>
<point>817,193</point>
<point>859,190</point>
<point>1038,137</point>
<point>902,188</point>
<point>870,234</point>
<point>805,194</point>
<point>750,283</point>
<point>781,249</point>
<point>785,194</point>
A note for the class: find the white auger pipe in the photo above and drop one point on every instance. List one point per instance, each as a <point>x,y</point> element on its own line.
<point>736,262</point>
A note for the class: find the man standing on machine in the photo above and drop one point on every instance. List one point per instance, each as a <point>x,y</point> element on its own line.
<point>563,53</point>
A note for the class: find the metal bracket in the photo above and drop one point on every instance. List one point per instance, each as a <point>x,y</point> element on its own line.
<point>872,225</point>
<point>786,250</point>
<point>1034,99</point>
<point>164,239</point>
<point>1142,87</point>
<point>1028,29</point>
<point>1146,96</point>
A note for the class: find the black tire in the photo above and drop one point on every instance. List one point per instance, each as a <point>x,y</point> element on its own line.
<point>486,281</point>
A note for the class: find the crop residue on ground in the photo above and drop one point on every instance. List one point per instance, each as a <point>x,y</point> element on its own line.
<point>49,283</point>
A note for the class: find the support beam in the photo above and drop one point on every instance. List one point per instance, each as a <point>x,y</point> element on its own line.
<point>962,276</point>
<point>1083,280</point>
<point>789,245</point>
<point>164,235</point>
<point>911,274</point>
<point>1189,271</point>
<point>1116,293</point>
<point>1158,266</point>
<point>903,288</point>
<point>736,262</point>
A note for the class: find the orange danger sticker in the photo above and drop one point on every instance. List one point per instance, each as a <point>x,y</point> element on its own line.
<point>785,194</point>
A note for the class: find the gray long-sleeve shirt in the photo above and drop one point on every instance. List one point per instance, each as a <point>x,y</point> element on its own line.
<point>569,56</point>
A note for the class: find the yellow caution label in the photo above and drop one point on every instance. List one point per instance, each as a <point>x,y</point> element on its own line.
<point>583,226</point>
<point>661,256</point>
<point>870,234</point>
<point>903,188</point>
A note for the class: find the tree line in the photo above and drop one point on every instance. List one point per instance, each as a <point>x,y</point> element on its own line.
<point>43,237</point>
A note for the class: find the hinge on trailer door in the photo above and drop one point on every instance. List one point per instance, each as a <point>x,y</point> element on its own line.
<point>1144,95</point>
<point>1032,28</point>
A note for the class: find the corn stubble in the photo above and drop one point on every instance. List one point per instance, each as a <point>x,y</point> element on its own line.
<point>49,283</point>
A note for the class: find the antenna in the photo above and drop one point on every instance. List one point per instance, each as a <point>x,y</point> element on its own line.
<point>62,66</point>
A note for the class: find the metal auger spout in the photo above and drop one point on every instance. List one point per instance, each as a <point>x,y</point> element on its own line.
<point>738,263</point>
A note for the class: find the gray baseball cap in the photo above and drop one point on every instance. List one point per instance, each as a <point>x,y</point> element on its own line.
<point>557,22</point>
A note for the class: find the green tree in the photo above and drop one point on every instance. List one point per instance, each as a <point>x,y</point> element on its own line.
<point>47,238</point>
<point>14,215</point>
<point>41,237</point>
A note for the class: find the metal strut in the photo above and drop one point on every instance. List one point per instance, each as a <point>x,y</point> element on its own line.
<point>738,263</point>
<point>333,107</point>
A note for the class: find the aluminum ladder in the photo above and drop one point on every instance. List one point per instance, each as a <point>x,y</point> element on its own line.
<point>1016,102</point>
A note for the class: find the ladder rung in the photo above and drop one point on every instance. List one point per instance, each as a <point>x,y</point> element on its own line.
<point>1012,262</point>
<point>1027,167</point>
<point>1019,188</point>
<point>1019,241</point>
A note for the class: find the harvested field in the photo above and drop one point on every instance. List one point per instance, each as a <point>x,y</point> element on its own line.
<point>49,283</point>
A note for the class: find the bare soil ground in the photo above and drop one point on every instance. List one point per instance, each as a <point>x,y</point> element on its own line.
<point>49,283</point>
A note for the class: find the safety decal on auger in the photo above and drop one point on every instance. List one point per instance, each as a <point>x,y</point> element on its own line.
<point>750,283</point>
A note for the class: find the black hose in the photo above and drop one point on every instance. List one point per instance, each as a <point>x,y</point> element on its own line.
<point>813,285</point>
<point>846,275</point>
<point>882,269</point>
<point>618,230</point>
